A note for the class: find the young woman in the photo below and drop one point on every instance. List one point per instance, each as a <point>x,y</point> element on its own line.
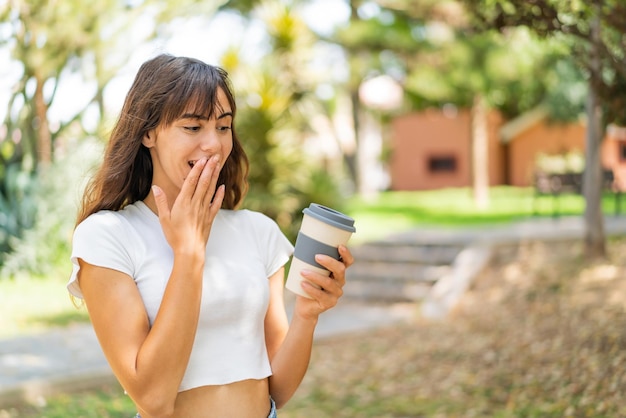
<point>185,292</point>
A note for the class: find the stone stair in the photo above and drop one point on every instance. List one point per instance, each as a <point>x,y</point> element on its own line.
<point>398,271</point>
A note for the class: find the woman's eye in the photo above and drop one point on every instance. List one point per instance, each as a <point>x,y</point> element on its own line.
<point>192,128</point>
<point>223,128</point>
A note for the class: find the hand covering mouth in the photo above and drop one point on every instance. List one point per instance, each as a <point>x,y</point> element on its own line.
<point>193,162</point>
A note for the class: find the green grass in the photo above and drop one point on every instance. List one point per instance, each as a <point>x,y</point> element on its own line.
<point>108,402</point>
<point>34,305</point>
<point>396,211</point>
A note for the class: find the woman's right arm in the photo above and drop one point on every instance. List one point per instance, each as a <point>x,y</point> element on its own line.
<point>149,363</point>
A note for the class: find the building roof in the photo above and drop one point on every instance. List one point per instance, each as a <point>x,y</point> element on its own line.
<point>522,123</point>
<point>616,132</point>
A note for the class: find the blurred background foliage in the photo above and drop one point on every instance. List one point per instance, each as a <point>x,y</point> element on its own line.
<point>302,83</point>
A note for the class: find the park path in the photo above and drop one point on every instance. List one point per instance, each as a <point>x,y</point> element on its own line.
<point>70,359</point>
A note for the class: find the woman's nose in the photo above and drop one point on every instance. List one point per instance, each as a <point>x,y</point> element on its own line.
<point>209,141</point>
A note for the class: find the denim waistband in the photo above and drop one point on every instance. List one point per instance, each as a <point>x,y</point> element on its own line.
<point>273,413</point>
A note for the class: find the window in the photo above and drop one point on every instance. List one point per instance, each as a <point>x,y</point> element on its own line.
<point>442,164</point>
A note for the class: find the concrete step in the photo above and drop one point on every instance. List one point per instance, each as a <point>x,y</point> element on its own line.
<point>386,292</point>
<point>398,271</point>
<point>406,253</point>
<point>408,272</point>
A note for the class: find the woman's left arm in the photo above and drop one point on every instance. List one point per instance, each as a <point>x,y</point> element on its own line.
<point>289,345</point>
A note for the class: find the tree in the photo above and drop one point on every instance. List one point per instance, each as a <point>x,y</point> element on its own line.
<point>440,59</point>
<point>51,42</point>
<point>376,45</point>
<point>47,41</point>
<point>483,71</point>
<point>276,105</point>
<point>595,31</point>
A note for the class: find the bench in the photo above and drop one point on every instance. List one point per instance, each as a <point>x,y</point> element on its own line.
<point>572,183</point>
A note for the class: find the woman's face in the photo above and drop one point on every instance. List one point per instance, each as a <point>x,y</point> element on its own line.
<point>176,148</point>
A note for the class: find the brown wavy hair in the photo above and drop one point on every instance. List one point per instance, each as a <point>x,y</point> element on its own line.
<point>164,88</point>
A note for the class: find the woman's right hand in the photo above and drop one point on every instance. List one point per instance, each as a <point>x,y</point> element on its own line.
<point>187,224</point>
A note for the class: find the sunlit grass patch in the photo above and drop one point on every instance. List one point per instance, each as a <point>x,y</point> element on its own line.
<point>391,212</point>
<point>29,305</point>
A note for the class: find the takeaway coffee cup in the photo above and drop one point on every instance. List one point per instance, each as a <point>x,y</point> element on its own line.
<point>323,230</point>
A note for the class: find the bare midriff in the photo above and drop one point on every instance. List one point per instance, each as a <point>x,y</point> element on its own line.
<point>247,398</point>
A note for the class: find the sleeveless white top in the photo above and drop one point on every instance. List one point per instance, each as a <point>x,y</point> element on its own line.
<point>245,248</point>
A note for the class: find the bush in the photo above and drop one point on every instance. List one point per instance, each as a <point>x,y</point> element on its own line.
<point>17,204</point>
<point>45,246</point>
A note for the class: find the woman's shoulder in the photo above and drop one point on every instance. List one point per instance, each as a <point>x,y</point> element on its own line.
<point>103,218</point>
<point>110,220</point>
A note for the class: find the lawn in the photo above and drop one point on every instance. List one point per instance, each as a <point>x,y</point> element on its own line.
<point>396,211</point>
<point>540,334</point>
<point>495,359</point>
<point>34,305</point>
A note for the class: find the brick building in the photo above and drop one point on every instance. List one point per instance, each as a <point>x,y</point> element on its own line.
<point>432,149</point>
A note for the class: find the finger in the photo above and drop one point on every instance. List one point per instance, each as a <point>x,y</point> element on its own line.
<point>163,209</point>
<point>191,181</point>
<point>336,267</point>
<point>216,204</point>
<point>313,291</point>
<point>346,255</point>
<point>210,196</point>
<point>325,298</point>
<point>207,182</point>
<point>327,284</point>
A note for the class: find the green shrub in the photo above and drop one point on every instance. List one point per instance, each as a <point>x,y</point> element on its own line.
<point>45,246</point>
<point>17,204</point>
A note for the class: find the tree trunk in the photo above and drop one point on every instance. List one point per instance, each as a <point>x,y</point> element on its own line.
<point>44,138</point>
<point>592,182</point>
<point>352,159</point>
<point>595,241</point>
<point>480,153</point>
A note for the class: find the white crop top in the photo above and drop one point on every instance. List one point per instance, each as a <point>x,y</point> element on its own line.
<point>245,248</point>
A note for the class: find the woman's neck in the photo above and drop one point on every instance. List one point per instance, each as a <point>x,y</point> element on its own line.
<point>151,203</point>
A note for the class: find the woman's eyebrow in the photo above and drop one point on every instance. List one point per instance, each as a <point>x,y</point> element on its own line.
<point>193,116</point>
<point>203,117</point>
